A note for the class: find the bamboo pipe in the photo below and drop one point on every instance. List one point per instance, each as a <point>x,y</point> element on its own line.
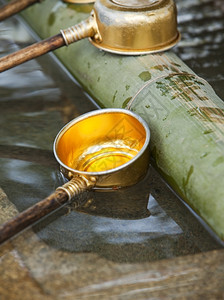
<point>14,7</point>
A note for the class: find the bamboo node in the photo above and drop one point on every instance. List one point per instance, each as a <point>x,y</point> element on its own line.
<point>153,80</point>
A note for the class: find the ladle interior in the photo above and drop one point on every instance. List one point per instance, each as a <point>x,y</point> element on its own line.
<point>101,142</point>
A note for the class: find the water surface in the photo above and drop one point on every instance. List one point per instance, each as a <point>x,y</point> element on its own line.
<point>143,223</point>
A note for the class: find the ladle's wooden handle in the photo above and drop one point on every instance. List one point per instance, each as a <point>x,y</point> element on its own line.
<point>61,196</point>
<point>87,28</point>
<point>32,214</point>
<point>14,7</point>
<point>30,52</point>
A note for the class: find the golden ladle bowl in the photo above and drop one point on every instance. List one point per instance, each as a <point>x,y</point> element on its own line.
<point>108,146</point>
<point>102,149</point>
<point>133,27</point>
<point>129,27</point>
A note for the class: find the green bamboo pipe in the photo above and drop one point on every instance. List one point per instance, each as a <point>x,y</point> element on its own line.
<point>184,114</point>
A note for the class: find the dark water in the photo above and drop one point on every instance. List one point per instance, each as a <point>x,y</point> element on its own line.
<point>201,23</point>
<point>142,223</point>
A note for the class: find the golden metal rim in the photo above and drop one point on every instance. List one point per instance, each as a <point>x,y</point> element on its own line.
<point>79,1</point>
<point>94,113</point>
<point>138,5</point>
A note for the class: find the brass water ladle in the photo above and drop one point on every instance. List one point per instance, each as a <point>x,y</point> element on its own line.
<point>129,27</point>
<point>16,6</point>
<point>107,149</point>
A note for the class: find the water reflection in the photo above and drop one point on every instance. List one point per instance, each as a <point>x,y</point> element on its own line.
<point>138,230</point>
<point>144,222</point>
<point>25,182</point>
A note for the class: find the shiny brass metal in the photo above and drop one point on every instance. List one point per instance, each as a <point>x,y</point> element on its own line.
<point>136,26</point>
<point>130,27</point>
<point>79,1</point>
<point>77,185</point>
<point>87,28</point>
<point>108,148</point>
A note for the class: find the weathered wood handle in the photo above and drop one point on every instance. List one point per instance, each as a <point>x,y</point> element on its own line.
<point>13,7</point>
<point>67,36</point>
<point>30,52</point>
<point>61,196</point>
<point>32,214</point>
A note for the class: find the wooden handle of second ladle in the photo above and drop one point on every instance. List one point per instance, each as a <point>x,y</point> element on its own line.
<point>13,7</point>
<point>68,36</point>
<point>30,52</point>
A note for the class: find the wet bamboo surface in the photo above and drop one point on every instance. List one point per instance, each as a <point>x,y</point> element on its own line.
<point>135,244</point>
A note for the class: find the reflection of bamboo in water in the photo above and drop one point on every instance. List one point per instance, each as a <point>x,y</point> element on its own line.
<point>65,106</point>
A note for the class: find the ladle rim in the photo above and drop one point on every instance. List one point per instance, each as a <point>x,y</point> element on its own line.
<point>94,113</point>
